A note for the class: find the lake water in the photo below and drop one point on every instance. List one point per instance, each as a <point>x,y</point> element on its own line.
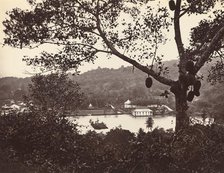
<point>124,121</point>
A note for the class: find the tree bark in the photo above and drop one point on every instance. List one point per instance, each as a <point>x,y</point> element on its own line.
<point>182,120</point>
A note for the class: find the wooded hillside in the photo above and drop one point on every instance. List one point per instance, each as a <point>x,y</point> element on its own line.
<point>115,86</point>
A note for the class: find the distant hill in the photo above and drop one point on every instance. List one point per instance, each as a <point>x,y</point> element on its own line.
<point>13,88</point>
<point>117,85</point>
<point>113,86</point>
<point>14,82</point>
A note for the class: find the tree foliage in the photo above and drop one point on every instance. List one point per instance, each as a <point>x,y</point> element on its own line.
<point>84,28</point>
<point>131,30</point>
<point>39,140</point>
<point>55,92</point>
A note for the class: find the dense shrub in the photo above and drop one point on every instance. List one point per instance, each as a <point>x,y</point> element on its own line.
<point>41,142</point>
<point>39,139</point>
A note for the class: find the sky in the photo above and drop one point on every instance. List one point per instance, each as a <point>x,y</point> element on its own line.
<point>11,63</point>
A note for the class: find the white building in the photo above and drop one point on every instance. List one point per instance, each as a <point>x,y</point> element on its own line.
<point>15,106</point>
<point>142,112</point>
<point>128,105</point>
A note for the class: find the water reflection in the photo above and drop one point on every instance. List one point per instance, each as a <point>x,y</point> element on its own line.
<point>125,121</point>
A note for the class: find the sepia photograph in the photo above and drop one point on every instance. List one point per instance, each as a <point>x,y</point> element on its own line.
<point>111,86</point>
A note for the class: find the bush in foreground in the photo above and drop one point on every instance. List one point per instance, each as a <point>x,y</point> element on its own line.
<point>41,142</point>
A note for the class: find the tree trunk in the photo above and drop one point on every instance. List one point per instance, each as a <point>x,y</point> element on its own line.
<point>182,120</point>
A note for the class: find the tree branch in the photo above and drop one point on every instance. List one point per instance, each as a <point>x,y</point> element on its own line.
<point>84,7</point>
<point>210,49</point>
<point>178,38</point>
<point>155,51</point>
<point>73,44</point>
<point>145,69</point>
<point>185,11</point>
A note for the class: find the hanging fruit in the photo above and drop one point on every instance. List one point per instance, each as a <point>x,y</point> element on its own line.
<point>190,67</point>
<point>190,96</point>
<point>190,79</point>
<point>197,93</point>
<point>172,5</point>
<point>148,82</point>
<point>197,86</point>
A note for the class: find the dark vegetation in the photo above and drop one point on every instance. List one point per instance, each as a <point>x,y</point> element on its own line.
<point>114,86</point>
<point>55,92</point>
<point>42,142</point>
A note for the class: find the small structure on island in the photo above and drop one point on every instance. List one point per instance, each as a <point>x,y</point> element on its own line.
<point>142,112</point>
<point>98,125</point>
<point>128,105</point>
